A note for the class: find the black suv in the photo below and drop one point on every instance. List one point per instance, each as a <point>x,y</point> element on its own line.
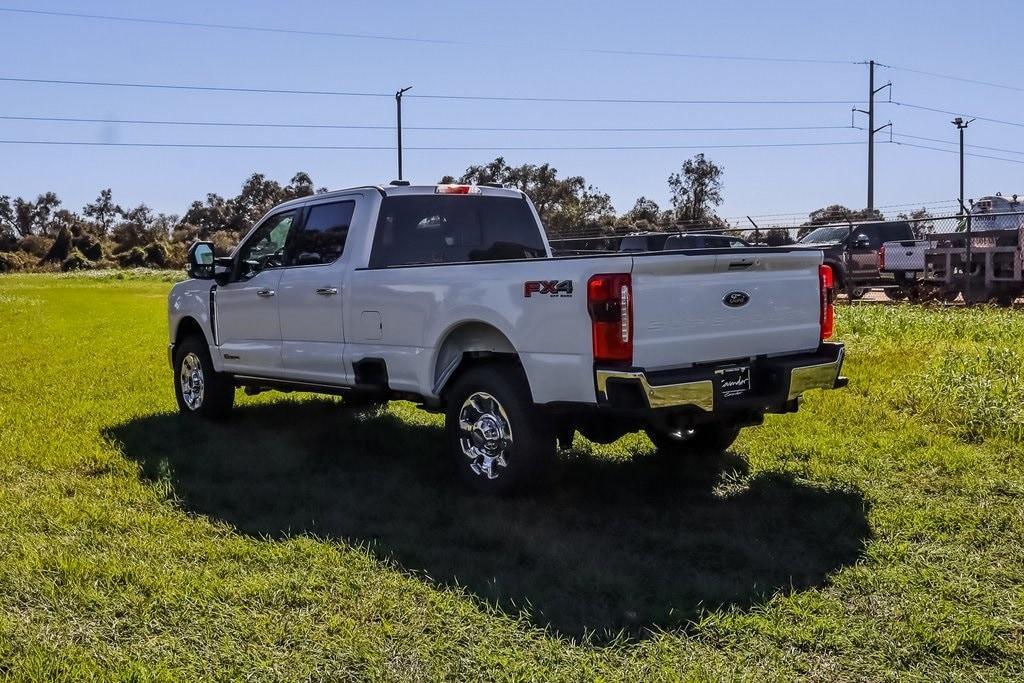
<point>853,252</point>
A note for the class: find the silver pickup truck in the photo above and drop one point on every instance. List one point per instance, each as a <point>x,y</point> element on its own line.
<point>449,296</point>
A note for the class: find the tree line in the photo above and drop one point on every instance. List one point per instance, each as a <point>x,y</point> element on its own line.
<point>42,234</point>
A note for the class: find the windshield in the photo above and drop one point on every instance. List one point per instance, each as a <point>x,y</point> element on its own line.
<point>829,233</point>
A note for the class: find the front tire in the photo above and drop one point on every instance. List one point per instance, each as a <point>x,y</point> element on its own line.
<point>858,293</point>
<point>709,439</point>
<point>499,439</point>
<point>198,387</point>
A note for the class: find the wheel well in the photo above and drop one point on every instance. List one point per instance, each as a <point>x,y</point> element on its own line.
<point>187,327</point>
<point>466,345</point>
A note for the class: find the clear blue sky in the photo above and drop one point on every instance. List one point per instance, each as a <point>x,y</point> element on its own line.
<point>521,49</point>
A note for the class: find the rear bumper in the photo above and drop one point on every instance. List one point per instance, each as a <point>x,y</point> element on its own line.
<point>775,384</point>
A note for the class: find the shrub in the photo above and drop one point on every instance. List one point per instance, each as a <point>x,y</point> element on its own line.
<point>76,260</point>
<point>37,245</point>
<point>157,254</point>
<point>133,258</point>
<point>13,261</point>
<point>90,246</point>
<point>177,253</point>
<point>61,248</point>
<point>223,242</point>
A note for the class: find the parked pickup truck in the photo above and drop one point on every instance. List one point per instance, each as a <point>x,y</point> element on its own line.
<point>448,296</point>
<point>852,251</point>
<point>904,261</point>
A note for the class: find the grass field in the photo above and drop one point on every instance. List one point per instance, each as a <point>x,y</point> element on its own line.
<point>875,535</point>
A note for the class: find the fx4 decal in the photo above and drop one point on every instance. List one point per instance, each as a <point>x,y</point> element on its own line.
<point>552,288</point>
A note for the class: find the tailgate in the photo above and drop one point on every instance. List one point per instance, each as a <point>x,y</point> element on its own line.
<point>681,318</point>
<point>905,255</point>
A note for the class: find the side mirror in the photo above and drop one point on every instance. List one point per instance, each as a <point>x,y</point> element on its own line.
<point>200,261</point>
<point>861,241</point>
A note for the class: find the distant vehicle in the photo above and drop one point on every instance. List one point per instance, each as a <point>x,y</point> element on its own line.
<point>666,241</point>
<point>905,261</point>
<point>852,251</point>
<point>449,296</point>
<point>995,269</point>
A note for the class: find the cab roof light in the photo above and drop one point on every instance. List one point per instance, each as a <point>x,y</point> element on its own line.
<point>457,189</point>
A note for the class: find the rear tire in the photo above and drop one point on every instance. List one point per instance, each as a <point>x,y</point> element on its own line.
<point>198,387</point>
<point>895,293</point>
<point>711,439</point>
<point>499,440</point>
<point>1006,299</point>
<point>858,293</point>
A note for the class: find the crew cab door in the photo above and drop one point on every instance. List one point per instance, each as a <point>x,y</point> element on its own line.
<point>310,296</point>
<point>864,244</point>
<point>247,328</point>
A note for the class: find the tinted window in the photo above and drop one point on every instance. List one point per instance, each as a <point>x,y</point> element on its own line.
<point>873,234</point>
<point>682,242</point>
<point>897,231</point>
<point>322,238</point>
<point>825,235</point>
<point>415,229</point>
<point>266,247</point>
<point>634,243</point>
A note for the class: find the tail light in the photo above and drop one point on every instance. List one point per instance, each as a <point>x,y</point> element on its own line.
<point>828,309</point>
<point>881,257</point>
<point>457,189</point>
<point>610,302</point>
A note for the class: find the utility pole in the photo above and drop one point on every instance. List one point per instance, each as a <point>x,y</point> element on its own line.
<point>872,91</point>
<point>398,105</point>
<point>961,126</point>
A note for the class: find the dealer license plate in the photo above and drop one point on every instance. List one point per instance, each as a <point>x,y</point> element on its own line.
<point>734,381</point>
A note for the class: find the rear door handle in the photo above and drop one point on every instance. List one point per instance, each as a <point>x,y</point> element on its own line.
<point>327,291</point>
<point>265,293</point>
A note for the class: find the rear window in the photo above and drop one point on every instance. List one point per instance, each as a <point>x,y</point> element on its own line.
<point>635,243</point>
<point>418,229</point>
<point>897,231</point>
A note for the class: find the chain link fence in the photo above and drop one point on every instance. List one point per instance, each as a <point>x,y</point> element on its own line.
<point>976,256</point>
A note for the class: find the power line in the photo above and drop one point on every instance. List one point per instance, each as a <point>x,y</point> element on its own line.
<point>343,93</point>
<point>409,39</point>
<point>90,143</point>
<point>950,142</point>
<point>207,88</point>
<point>948,77</point>
<point>953,151</point>
<point>1018,124</point>
<point>554,129</point>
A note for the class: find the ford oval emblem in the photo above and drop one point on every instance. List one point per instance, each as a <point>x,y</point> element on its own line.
<point>736,299</point>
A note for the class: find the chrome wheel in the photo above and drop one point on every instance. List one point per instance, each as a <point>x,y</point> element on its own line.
<point>484,434</point>
<point>681,434</point>
<point>192,383</point>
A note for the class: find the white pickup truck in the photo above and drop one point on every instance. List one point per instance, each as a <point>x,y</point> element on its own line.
<point>448,296</point>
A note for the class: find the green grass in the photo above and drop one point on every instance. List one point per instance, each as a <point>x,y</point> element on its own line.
<point>875,535</point>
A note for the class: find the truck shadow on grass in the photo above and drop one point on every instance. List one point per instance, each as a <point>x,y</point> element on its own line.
<point>614,546</point>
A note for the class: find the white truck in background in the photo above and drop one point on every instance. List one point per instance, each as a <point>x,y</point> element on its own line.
<point>905,260</point>
<point>448,296</point>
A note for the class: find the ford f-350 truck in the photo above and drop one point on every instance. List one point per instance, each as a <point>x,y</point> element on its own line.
<point>448,296</point>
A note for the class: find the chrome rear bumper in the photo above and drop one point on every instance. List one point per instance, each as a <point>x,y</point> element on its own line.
<point>775,381</point>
